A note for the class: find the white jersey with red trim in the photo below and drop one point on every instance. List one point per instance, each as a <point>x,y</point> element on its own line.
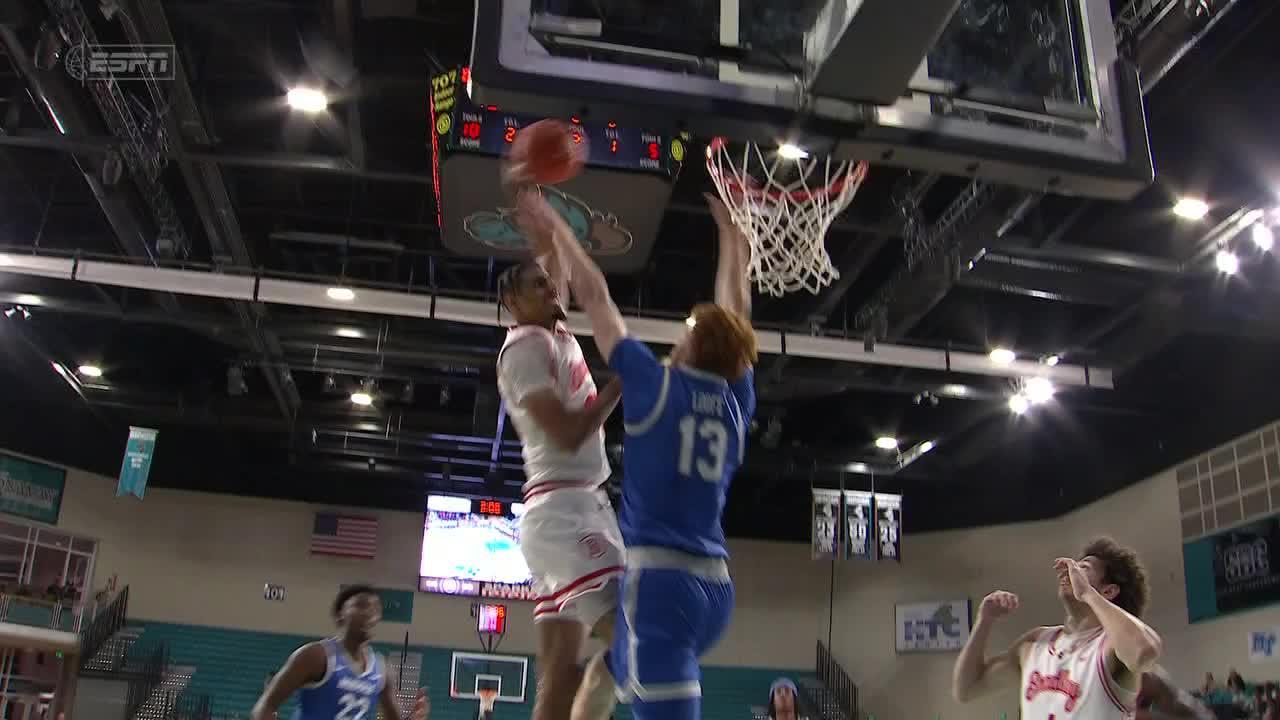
<point>1065,676</point>
<point>531,359</point>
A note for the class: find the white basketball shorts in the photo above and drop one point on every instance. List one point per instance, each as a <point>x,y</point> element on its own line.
<point>571,542</point>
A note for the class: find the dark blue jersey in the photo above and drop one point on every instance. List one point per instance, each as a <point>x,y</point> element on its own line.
<point>686,436</point>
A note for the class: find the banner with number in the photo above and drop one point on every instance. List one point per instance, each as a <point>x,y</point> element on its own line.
<point>888,526</point>
<point>30,489</point>
<point>858,522</point>
<point>136,465</point>
<point>826,523</point>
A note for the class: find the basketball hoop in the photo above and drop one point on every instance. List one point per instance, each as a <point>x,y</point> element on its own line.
<point>784,207</point>
<point>487,699</point>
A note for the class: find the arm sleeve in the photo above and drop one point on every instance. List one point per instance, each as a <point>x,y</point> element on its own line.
<point>744,390</point>
<point>524,369</point>
<point>643,378</point>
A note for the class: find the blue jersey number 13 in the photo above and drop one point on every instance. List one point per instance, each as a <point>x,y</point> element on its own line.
<point>710,455</point>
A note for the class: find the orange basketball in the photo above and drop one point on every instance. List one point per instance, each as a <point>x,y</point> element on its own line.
<point>548,152</point>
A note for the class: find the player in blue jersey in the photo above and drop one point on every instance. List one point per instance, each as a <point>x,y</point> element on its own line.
<point>686,429</point>
<point>339,678</point>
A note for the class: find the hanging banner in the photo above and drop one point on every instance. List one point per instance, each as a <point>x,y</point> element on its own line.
<point>888,526</point>
<point>31,490</point>
<point>137,462</point>
<point>858,516</point>
<point>826,523</point>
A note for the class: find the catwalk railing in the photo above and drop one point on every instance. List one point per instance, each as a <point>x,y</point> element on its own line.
<point>840,690</point>
<point>104,625</point>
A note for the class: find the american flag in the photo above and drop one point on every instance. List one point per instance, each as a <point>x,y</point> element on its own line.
<point>344,535</point>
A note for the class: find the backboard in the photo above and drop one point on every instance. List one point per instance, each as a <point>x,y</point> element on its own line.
<point>472,672</point>
<point>1024,92</point>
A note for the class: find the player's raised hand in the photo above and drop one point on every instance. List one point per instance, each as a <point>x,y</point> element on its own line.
<point>997,605</point>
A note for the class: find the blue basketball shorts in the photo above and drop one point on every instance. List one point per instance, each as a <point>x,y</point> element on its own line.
<point>674,608</point>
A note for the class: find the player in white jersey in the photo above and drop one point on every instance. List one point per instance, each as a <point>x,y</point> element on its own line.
<point>1091,666</point>
<point>569,534</point>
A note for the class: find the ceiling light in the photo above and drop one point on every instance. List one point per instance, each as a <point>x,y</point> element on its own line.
<point>341,294</point>
<point>788,151</point>
<point>690,321</point>
<point>1018,404</point>
<point>29,300</point>
<point>307,99</point>
<point>91,371</point>
<point>857,467</point>
<point>1190,208</point>
<point>6,260</point>
<point>1002,356</point>
<point>887,443</point>
<point>1263,237</point>
<point>347,332</point>
<point>1052,360</point>
<point>1227,262</point>
<point>361,398</point>
<point>955,390</point>
<point>1039,390</point>
<point>926,446</point>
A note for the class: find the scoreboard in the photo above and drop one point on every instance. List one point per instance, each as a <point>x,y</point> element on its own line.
<point>461,126</point>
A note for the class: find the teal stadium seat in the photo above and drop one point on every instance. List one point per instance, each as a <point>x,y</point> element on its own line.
<point>231,665</point>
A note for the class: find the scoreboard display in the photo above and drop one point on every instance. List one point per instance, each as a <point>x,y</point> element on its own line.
<point>462,126</point>
<point>614,206</point>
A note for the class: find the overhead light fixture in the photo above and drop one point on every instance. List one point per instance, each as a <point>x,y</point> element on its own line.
<point>790,151</point>
<point>348,332</point>
<point>361,398</point>
<point>330,384</point>
<point>955,390</point>
<point>857,467</point>
<point>1262,236</point>
<point>341,294</point>
<point>29,300</point>
<point>1191,208</point>
<point>1052,360</point>
<point>90,371</point>
<point>690,321</point>
<point>1227,262</point>
<point>308,100</point>
<point>1018,404</point>
<point>1002,356</point>
<point>18,311</point>
<point>887,443</point>
<point>6,261</point>
<point>926,446</point>
<point>1039,390</point>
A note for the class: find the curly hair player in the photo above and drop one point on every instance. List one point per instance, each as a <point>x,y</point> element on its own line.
<point>339,678</point>
<point>686,426</point>
<point>1091,666</point>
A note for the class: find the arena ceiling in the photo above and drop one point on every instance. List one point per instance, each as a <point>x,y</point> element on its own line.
<point>254,399</point>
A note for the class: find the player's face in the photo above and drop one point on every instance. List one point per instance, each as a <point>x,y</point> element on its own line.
<point>361,614</point>
<point>535,300</point>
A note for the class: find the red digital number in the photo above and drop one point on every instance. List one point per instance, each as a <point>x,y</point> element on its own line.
<point>655,151</point>
<point>471,130</point>
<point>490,507</point>
<point>509,135</point>
<point>613,146</point>
<point>577,138</point>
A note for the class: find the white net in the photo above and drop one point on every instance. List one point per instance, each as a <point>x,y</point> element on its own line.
<point>784,206</point>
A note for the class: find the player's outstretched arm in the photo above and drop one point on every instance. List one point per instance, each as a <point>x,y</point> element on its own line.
<point>585,279</point>
<point>307,664</point>
<point>733,286</point>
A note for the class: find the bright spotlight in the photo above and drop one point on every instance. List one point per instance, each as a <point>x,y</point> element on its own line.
<point>1190,208</point>
<point>363,399</point>
<point>788,151</point>
<point>29,300</point>
<point>1002,356</point>
<point>1263,238</point>
<point>90,371</point>
<point>1052,360</point>
<point>341,294</point>
<point>887,443</point>
<point>1039,390</point>
<point>348,332</point>
<point>1227,262</point>
<point>308,100</point>
<point>6,260</point>
<point>1018,404</point>
<point>926,446</point>
<point>690,321</point>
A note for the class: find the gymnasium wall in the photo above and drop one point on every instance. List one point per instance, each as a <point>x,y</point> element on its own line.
<point>203,559</point>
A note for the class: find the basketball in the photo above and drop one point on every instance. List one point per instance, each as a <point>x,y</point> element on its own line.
<point>547,152</point>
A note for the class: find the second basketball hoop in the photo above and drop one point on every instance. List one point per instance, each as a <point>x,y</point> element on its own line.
<point>784,202</point>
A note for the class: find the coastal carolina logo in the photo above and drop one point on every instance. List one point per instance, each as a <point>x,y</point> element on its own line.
<point>599,233</point>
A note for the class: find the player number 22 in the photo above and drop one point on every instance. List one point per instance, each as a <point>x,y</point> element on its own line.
<point>353,707</point>
<point>710,460</point>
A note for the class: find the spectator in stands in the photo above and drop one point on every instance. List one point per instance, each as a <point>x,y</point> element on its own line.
<point>782,700</point>
<point>1210,684</point>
